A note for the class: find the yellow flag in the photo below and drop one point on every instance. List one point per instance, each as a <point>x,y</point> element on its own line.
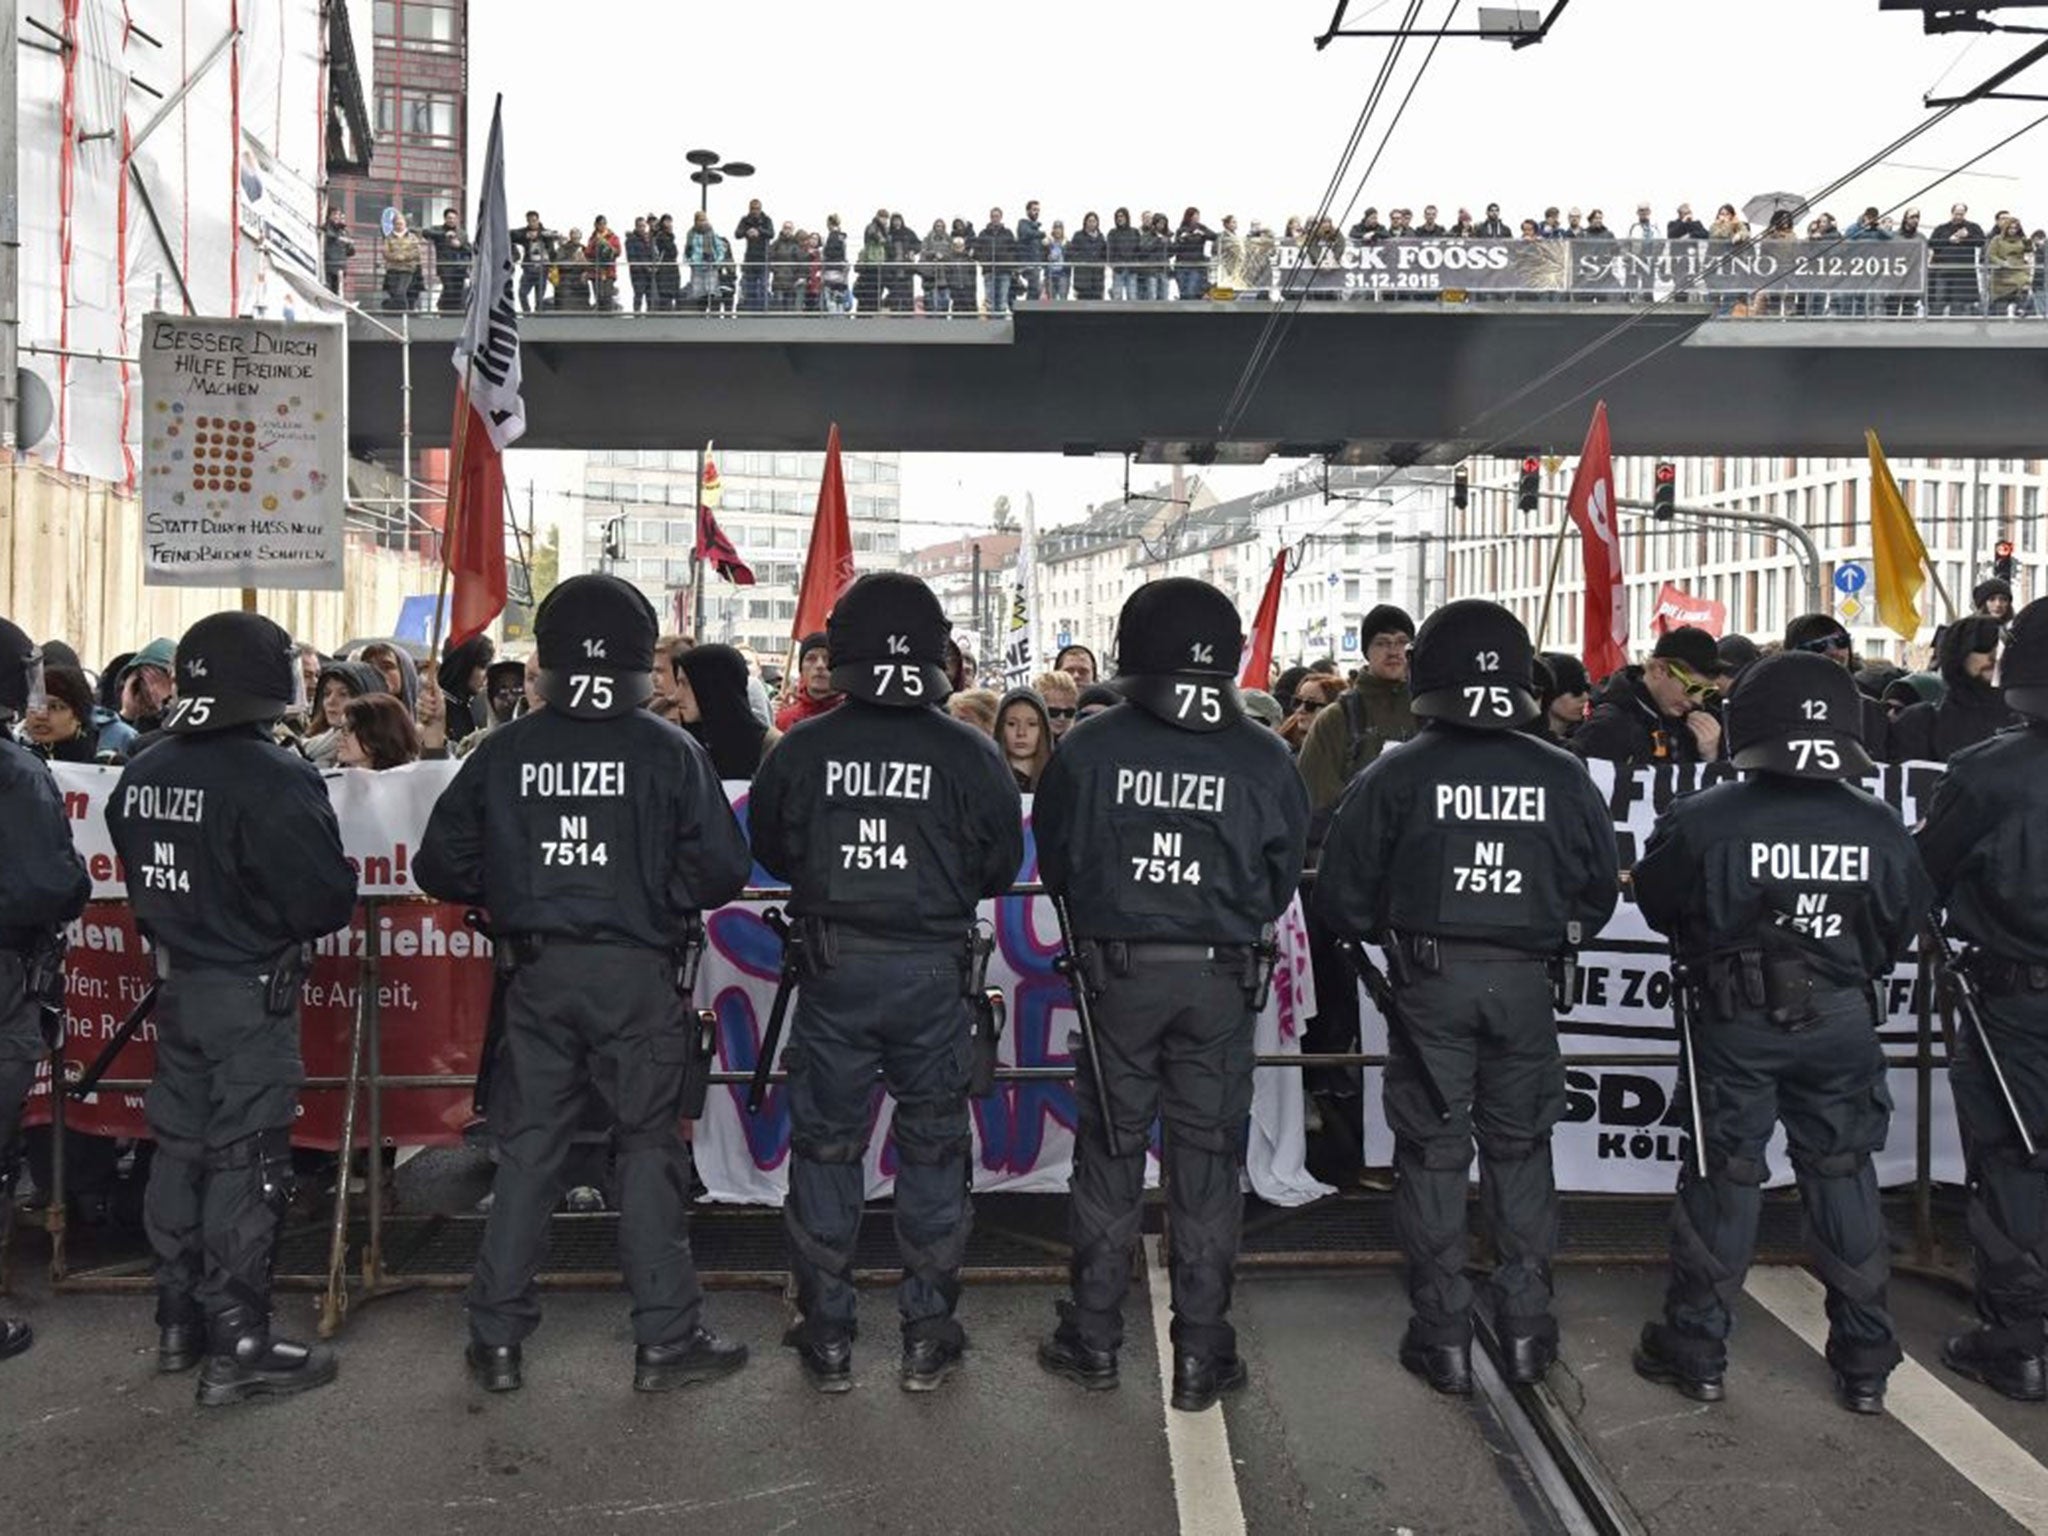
<point>1900,557</point>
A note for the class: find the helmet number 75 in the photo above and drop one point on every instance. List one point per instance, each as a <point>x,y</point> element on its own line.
<point>1192,699</point>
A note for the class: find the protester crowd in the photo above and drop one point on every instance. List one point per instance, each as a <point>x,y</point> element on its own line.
<point>969,267</point>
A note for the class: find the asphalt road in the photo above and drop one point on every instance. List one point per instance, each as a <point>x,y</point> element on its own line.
<point>1331,1435</point>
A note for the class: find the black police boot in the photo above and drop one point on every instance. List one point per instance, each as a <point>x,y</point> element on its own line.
<point>179,1347</point>
<point>1198,1380</point>
<point>1983,1356</point>
<point>1662,1357</point>
<point>928,1361</point>
<point>244,1361</point>
<point>1066,1354</point>
<point>700,1355</point>
<point>15,1336</point>
<point>1527,1358</point>
<point>827,1359</point>
<point>494,1367</point>
<point>1857,1387</point>
<point>1446,1367</point>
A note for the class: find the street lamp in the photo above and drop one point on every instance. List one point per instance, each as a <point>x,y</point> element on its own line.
<point>711,171</point>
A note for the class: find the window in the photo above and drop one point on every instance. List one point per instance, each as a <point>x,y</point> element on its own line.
<point>788,466</point>
<point>384,20</point>
<point>425,25</point>
<point>428,116</point>
<point>885,471</point>
<point>1351,591</point>
<point>788,538</point>
<point>859,471</point>
<point>789,501</point>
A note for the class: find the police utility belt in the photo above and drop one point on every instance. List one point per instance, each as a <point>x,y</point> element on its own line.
<point>2001,976</point>
<point>1784,988</point>
<point>282,975</point>
<point>1410,955</point>
<point>1099,959</point>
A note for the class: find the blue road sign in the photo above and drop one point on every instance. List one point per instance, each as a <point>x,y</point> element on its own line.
<point>1851,577</point>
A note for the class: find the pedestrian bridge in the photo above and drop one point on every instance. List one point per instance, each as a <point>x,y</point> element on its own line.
<point>1372,382</point>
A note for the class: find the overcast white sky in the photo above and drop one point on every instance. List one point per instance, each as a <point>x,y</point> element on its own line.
<point>1087,105</point>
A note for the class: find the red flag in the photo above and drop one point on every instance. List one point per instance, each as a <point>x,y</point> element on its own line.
<point>490,413</point>
<point>476,527</point>
<point>1677,608</point>
<point>1256,670</point>
<point>1605,642</point>
<point>713,547</point>
<point>828,567</point>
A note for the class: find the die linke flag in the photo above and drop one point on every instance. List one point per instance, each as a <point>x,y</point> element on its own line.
<point>828,567</point>
<point>713,547</point>
<point>1605,647</point>
<point>490,414</point>
<point>1256,669</point>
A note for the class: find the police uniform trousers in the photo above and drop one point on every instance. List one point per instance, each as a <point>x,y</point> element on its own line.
<point>1826,1082</point>
<point>1483,1027</point>
<point>2008,1202</point>
<point>894,1009</point>
<point>1176,1037</point>
<point>221,1107</point>
<point>21,1048</point>
<point>582,1017</point>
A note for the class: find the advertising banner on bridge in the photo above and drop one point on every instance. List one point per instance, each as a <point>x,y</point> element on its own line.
<point>245,453</point>
<point>1595,269</point>
<point>1623,1130</point>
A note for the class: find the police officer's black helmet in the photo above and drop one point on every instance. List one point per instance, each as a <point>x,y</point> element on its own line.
<point>1798,714</point>
<point>887,635</point>
<point>2024,671</point>
<point>21,665</point>
<point>594,636</point>
<point>1178,645</point>
<point>1474,666</point>
<point>232,669</point>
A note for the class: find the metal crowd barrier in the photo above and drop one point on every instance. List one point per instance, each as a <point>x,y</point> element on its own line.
<point>364,1084</point>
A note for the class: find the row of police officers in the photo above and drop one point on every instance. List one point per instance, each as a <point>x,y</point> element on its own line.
<point>1170,833</point>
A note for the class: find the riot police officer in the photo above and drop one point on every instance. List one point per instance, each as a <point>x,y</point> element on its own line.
<point>891,821</point>
<point>594,831</point>
<point>45,886</point>
<point>1478,857</point>
<point>234,867</point>
<point>1983,846</point>
<point>1175,830</point>
<point>1785,895</point>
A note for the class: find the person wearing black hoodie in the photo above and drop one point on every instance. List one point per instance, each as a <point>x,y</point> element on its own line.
<point>711,704</point>
<point>1971,709</point>
<point>1086,253</point>
<point>1820,634</point>
<point>462,672</point>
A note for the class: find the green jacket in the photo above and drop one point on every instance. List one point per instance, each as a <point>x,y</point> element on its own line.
<point>1350,733</point>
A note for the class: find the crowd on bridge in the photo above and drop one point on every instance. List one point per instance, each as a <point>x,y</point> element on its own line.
<point>961,266</point>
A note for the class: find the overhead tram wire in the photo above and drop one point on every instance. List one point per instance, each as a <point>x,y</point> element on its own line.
<point>1343,167</point>
<point>1241,401</point>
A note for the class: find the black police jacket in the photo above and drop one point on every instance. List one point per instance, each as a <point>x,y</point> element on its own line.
<point>1490,836</point>
<point>1789,867</point>
<point>607,831</point>
<point>1985,844</point>
<point>1627,727</point>
<point>893,822</point>
<point>232,851</point>
<point>1154,832</point>
<point>45,882</point>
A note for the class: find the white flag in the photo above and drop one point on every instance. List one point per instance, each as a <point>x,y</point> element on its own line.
<point>1020,649</point>
<point>487,356</point>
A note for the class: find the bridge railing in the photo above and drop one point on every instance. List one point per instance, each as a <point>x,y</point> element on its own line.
<point>1831,279</point>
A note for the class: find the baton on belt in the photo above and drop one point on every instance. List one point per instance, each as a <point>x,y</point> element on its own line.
<point>1069,965</point>
<point>1685,983</point>
<point>89,1079</point>
<point>1962,997</point>
<point>791,935</point>
<point>1384,998</point>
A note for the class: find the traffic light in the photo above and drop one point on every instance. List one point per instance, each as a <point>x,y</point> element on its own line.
<point>614,539</point>
<point>1461,488</point>
<point>1664,499</point>
<point>1528,492</point>
<point>2002,561</point>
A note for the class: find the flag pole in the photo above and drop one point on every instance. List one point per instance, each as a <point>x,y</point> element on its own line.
<point>450,507</point>
<point>1940,588</point>
<point>697,552</point>
<point>1564,526</point>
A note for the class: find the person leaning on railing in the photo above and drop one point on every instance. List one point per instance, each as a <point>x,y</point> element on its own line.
<point>403,256</point>
<point>1086,254</point>
<point>2009,261</point>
